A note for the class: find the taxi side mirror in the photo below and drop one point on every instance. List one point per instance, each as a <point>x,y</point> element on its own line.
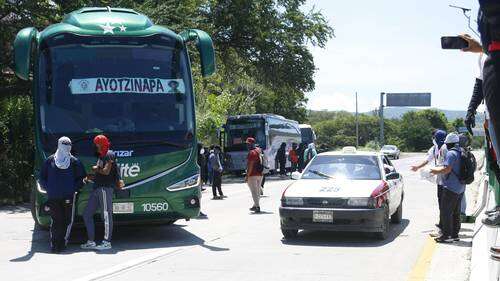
<point>296,175</point>
<point>393,176</point>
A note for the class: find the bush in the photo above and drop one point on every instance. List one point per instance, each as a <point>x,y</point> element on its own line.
<point>373,145</point>
<point>16,149</point>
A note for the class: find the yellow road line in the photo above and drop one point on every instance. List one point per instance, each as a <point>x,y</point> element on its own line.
<point>423,263</point>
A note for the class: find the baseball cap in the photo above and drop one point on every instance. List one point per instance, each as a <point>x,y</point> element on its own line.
<point>452,138</point>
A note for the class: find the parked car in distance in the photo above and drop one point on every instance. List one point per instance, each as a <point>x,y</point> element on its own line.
<point>390,151</point>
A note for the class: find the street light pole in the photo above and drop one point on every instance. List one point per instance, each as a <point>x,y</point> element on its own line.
<point>381,117</point>
<point>357,122</point>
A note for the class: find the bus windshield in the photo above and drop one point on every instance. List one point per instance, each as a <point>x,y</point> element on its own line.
<point>307,135</point>
<point>140,91</point>
<point>239,130</point>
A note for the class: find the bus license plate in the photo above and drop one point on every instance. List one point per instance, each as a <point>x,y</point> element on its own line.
<point>323,216</point>
<point>123,208</point>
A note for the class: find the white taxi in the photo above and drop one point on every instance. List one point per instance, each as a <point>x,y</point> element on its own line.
<point>344,191</point>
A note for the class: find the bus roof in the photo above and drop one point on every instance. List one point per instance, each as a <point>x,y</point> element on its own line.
<point>98,21</point>
<point>257,116</point>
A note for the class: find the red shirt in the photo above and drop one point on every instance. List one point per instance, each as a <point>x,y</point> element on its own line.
<point>253,159</point>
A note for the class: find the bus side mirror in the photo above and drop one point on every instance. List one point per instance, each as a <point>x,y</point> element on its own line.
<point>205,48</point>
<point>22,52</point>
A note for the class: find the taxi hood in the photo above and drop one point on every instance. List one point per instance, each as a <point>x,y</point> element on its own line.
<point>318,188</point>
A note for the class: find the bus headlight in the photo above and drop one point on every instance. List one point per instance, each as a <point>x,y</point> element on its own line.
<point>192,181</point>
<point>40,189</point>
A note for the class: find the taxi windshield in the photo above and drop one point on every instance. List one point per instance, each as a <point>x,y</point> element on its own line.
<point>353,167</point>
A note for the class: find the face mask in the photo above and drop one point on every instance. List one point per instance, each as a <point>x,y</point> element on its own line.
<point>434,142</point>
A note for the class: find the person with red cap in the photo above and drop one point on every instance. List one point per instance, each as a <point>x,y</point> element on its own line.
<point>255,167</point>
<point>106,178</point>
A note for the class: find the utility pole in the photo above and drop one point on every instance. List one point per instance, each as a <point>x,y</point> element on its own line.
<point>381,117</point>
<point>357,122</point>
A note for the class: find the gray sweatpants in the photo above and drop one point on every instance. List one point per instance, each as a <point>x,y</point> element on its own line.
<point>101,197</point>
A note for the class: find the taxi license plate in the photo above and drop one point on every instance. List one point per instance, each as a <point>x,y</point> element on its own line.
<point>123,208</point>
<point>322,216</point>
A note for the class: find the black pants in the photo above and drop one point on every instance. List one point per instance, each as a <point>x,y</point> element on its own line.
<point>450,213</point>
<point>491,91</point>
<point>263,180</point>
<point>282,167</point>
<point>62,213</point>
<point>440,196</point>
<point>216,183</point>
<point>295,167</point>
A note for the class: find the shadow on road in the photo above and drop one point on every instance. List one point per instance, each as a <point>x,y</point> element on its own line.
<point>124,238</point>
<point>346,239</point>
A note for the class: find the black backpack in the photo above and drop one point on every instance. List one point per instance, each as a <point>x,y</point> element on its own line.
<point>468,165</point>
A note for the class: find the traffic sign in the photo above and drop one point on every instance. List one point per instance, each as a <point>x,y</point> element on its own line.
<point>408,99</point>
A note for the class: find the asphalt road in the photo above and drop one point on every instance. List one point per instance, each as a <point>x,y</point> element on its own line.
<point>231,244</point>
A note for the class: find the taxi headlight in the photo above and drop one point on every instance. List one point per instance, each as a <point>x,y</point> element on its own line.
<point>294,201</point>
<point>192,181</point>
<point>360,202</point>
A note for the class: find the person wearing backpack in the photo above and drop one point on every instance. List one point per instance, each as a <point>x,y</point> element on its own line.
<point>106,179</point>
<point>61,176</point>
<point>255,168</point>
<point>454,181</point>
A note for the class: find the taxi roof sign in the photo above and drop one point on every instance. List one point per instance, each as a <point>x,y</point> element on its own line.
<point>349,149</point>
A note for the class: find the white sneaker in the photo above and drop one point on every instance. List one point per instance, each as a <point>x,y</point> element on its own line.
<point>105,245</point>
<point>90,245</point>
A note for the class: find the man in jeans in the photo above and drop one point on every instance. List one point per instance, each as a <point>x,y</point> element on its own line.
<point>254,173</point>
<point>453,191</point>
<point>106,178</point>
<point>214,160</point>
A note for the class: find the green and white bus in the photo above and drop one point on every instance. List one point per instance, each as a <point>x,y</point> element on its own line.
<point>112,71</point>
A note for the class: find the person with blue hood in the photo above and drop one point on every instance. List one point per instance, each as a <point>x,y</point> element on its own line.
<point>436,155</point>
<point>61,176</point>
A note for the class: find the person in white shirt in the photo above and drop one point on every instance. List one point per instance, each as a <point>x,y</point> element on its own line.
<point>435,156</point>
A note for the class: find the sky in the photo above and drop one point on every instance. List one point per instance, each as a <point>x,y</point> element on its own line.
<point>392,46</point>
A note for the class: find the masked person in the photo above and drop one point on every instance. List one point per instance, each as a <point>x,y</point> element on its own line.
<point>61,176</point>
<point>435,156</point>
<point>253,177</point>
<point>453,190</point>
<point>106,178</point>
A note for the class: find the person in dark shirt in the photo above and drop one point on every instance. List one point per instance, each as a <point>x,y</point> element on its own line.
<point>281,158</point>
<point>61,176</point>
<point>300,153</point>
<point>106,178</point>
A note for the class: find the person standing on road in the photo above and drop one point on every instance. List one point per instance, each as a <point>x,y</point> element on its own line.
<point>436,155</point>
<point>106,178</point>
<point>300,153</point>
<point>216,165</point>
<point>281,159</point>
<point>254,173</point>
<point>309,153</point>
<point>61,176</point>
<point>453,190</point>
<point>294,159</point>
